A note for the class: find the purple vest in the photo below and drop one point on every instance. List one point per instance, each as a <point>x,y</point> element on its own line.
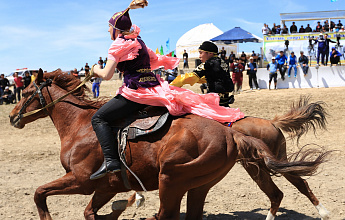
<point>137,72</point>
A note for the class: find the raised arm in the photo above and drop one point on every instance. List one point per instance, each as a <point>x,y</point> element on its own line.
<point>188,78</point>
<point>108,71</point>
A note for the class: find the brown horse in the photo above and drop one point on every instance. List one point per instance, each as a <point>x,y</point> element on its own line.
<point>189,154</point>
<point>301,118</point>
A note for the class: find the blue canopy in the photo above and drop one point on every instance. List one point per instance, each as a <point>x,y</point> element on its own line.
<point>237,35</point>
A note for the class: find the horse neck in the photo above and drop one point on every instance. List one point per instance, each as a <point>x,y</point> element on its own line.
<point>68,115</point>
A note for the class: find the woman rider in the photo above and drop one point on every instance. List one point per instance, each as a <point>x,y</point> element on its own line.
<point>129,54</point>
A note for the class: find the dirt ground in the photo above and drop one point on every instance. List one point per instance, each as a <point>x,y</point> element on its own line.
<point>30,158</point>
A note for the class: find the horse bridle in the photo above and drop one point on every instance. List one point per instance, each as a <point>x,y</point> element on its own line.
<point>43,102</point>
<point>38,91</point>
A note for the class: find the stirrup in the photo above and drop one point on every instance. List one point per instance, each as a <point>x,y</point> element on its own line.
<point>102,171</point>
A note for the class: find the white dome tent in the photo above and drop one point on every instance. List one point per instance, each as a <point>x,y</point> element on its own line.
<point>193,38</point>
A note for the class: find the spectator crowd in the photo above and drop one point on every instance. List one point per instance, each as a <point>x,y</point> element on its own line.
<point>326,27</point>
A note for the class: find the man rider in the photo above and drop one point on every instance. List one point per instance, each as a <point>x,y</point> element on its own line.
<point>212,70</point>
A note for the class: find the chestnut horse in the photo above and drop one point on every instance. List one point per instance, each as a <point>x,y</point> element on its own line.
<point>189,154</point>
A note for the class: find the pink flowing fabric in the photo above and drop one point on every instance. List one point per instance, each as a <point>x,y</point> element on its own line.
<point>122,50</point>
<point>181,101</point>
<point>177,100</point>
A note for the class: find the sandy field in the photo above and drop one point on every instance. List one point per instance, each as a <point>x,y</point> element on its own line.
<point>30,158</point>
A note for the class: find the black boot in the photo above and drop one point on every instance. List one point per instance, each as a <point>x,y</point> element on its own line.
<point>108,143</point>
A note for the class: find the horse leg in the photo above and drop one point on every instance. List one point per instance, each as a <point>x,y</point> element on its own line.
<point>195,202</point>
<point>62,186</point>
<point>267,185</point>
<point>170,196</point>
<point>196,198</point>
<point>303,187</point>
<point>99,199</point>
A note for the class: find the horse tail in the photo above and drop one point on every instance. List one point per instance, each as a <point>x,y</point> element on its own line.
<point>253,151</point>
<point>302,117</point>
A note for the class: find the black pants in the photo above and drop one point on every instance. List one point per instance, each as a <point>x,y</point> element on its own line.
<point>252,77</point>
<point>116,108</point>
<point>324,57</point>
<point>282,70</point>
<point>19,92</point>
<point>335,60</point>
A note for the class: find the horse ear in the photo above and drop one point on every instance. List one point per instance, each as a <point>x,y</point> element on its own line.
<point>39,78</point>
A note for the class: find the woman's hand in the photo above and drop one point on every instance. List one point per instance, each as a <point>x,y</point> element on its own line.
<point>107,72</point>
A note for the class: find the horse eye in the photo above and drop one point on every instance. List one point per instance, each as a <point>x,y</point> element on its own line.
<point>25,94</point>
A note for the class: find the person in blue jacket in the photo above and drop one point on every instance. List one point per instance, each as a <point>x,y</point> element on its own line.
<point>281,60</point>
<point>272,68</point>
<point>334,56</point>
<point>292,63</point>
<point>323,48</point>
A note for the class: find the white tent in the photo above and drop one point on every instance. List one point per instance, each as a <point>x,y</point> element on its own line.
<point>193,38</point>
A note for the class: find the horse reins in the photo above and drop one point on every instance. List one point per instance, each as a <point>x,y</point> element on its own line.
<point>38,91</point>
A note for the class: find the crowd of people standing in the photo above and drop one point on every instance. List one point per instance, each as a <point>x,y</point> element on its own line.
<point>326,27</point>
<point>20,83</point>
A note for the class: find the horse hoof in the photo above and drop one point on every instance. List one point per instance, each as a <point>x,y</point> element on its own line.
<point>139,200</point>
<point>119,205</point>
<point>323,212</point>
<point>270,216</point>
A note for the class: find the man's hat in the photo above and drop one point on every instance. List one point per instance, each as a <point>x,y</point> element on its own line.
<point>208,46</point>
<point>7,87</point>
<point>251,58</point>
<point>273,58</point>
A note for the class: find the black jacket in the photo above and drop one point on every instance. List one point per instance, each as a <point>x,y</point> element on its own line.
<point>217,75</point>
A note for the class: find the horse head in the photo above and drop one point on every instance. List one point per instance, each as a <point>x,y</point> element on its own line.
<point>31,101</point>
<point>46,91</point>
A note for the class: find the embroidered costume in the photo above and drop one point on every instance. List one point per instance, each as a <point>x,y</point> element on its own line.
<point>146,88</point>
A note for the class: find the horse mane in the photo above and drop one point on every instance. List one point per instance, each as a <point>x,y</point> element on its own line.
<point>69,82</point>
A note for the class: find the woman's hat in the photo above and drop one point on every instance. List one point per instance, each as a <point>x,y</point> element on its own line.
<point>121,20</point>
<point>208,46</point>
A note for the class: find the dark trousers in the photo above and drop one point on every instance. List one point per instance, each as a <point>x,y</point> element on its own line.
<point>335,60</point>
<point>324,54</point>
<point>282,70</point>
<point>185,64</point>
<point>117,108</point>
<point>305,69</point>
<point>252,77</point>
<point>19,92</point>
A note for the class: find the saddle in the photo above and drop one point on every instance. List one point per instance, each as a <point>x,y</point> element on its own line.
<point>143,122</point>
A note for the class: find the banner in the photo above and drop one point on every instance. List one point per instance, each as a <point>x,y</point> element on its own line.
<point>296,43</point>
<point>168,45</point>
<point>162,52</point>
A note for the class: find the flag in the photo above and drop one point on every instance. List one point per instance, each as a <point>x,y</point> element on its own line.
<point>168,45</point>
<point>173,53</point>
<point>157,51</point>
<point>334,0</point>
<point>162,52</point>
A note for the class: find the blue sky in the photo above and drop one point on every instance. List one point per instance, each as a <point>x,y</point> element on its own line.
<point>67,34</point>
